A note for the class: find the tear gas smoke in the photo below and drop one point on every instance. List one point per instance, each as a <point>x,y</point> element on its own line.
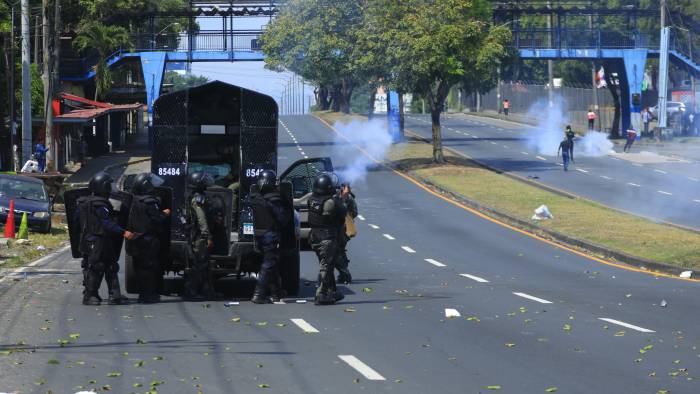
<point>371,136</point>
<point>545,138</point>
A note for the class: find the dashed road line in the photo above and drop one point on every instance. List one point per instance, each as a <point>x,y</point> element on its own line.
<point>475,278</point>
<point>374,226</point>
<point>541,158</point>
<point>634,184</point>
<point>451,313</point>
<point>605,177</point>
<point>408,249</point>
<point>525,153</point>
<point>533,298</point>
<point>663,192</point>
<point>361,367</point>
<point>306,327</point>
<point>435,263</point>
<point>582,170</point>
<point>697,201</point>
<point>660,172</point>
<point>492,143</point>
<point>361,217</point>
<point>389,237</point>
<point>693,179</point>
<point>627,325</point>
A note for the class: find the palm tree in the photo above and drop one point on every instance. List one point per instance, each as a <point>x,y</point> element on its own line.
<point>103,39</point>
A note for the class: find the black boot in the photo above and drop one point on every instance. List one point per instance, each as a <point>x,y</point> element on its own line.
<point>115,293</point>
<point>90,300</point>
<point>260,295</point>
<point>324,299</point>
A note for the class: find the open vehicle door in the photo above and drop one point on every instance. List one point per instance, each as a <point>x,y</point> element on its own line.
<point>301,175</point>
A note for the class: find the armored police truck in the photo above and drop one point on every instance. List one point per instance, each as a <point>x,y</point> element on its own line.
<point>229,133</point>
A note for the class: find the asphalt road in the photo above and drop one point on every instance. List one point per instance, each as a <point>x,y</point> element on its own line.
<point>529,316</point>
<point>664,191</point>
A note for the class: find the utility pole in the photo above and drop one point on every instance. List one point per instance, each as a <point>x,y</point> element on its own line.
<point>37,34</point>
<point>663,69</point>
<point>550,63</point>
<point>26,84</point>
<point>593,70</point>
<point>11,70</point>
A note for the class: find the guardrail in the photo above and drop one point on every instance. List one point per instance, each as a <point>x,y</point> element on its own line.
<point>234,40</point>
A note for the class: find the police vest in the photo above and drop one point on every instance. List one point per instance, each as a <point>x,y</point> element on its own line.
<point>139,219</point>
<point>192,225</point>
<point>263,218</point>
<point>90,223</point>
<point>316,217</point>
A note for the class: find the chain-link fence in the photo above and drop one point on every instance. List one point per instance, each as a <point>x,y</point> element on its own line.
<point>527,100</point>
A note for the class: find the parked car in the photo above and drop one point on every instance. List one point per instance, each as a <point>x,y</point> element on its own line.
<point>672,108</point>
<point>30,196</point>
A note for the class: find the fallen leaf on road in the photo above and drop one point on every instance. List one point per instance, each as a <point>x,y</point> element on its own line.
<point>74,335</point>
<point>409,307</point>
<point>63,342</point>
<point>397,381</point>
<point>158,358</point>
<point>567,327</point>
<point>662,392</point>
<point>551,390</point>
<point>264,386</point>
<point>236,319</point>
<point>53,361</point>
<point>125,354</point>
<point>137,385</point>
<point>639,360</point>
<point>114,374</point>
<point>473,318</point>
<point>676,361</point>
<point>350,310</point>
<point>510,345</point>
<point>261,323</point>
<point>386,307</point>
<point>366,289</point>
<point>628,295</point>
<point>494,387</point>
<point>44,328</point>
<point>356,380</point>
<point>141,341</point>
<point>281,325</point>
<point>523,309</point>
<point>620,334</point>
<point>139,364</point>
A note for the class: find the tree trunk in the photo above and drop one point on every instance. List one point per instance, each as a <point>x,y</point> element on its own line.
<point>438,156</point>
<point>615,127</point>
<point>402,119</point>
<point>370,101</point>
<point>47,79</point>
<point>346,94</point>
<point>336,97</point>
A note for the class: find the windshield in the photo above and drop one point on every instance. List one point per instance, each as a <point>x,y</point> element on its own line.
<point>18,188</point>
<point>215,170</point>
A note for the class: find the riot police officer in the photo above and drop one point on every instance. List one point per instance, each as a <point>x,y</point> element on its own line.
<point>270,214</point>
<point>326,219</point>
<point>198,283</point>
<point>97,244</point>
<point>146,221</point>
<point>343,261</point>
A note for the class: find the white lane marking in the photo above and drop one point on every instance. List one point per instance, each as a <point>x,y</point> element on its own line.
<point>408,249</point>
<point>299,147</point>
<point>361,217</point>
<point>374,226</point>
<point>541,158</point>
<point>559,164</point>
<point>582,170</point>
<point>605,177</point>
<point>660,172</point>
<point>634,184</point>
<point>16,272</point>
<point>506,146</point>
<point>533,298</point>
<point>697,201</point>
<point>525,153</point>
<point>389,237</point>
<point>474,277</point>
<point>306,327</point>
<point>623,324</point>
<point>435,263</point>
<point>693,179</point>
<point>361,367</point>
<point>302,153</point>
<point>450,313</point>
<point>663,192</point>
<point>492,143</point>
<point>306,157</point>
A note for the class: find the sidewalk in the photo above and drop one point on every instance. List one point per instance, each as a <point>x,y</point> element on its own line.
<point>114,163</point>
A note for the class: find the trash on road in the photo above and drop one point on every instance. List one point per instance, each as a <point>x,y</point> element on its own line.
<point>686,274</point>
<point>232,303</point>
<point>542,213</point>
<point>663,304</point>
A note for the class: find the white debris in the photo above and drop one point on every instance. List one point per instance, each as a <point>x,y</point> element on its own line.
<point>451,313</point>
<point>663,304</point>
<point>301,301</point>
<point>542,213</point>
<point>41,247</point>
<point>686,274</point>
<point>230,304</point>
<point>23,242</point>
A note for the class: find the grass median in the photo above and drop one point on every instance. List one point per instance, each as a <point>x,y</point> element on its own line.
<point>577,218</point>
<point>17,254</point>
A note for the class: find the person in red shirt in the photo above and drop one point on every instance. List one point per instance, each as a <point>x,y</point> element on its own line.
<point>506,107</point>
<point>591,119</point>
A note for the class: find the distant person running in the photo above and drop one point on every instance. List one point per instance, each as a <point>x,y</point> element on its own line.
<point>631,136</point>
<point>591,119</point>
<point>567,152</point>
<point>570,137</point>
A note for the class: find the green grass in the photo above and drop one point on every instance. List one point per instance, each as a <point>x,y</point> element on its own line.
<point>578,218</point>
<point>19,255</point>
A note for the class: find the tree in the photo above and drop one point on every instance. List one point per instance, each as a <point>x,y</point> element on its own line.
<point>103,40</point>
<point>432,45</point>
<point>180,82</point>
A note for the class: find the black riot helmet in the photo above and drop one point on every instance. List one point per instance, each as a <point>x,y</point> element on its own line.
<point>267,181</point>
<point>324,184</point>
<point>199,181</point>
<point>101,184</point>
<point>145,182</point>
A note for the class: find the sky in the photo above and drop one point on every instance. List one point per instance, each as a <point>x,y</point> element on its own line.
<point>253,75</point>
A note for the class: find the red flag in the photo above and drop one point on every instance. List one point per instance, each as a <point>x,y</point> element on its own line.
<point>10,222</point>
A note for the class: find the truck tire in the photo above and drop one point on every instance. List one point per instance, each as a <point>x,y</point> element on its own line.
<point>290,271</point>
<point>130,283</point>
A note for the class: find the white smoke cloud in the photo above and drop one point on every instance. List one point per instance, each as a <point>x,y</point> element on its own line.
<point>545,138</point>
<point>372,136</point>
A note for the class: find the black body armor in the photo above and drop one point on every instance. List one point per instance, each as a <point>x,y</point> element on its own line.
<point>263,218</point>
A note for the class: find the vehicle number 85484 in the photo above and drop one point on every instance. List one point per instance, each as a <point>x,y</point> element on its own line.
<point>168,171</point>
<point>253,172</point>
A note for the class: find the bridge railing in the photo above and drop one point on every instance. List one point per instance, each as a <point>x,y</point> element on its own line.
<point>578,39</point>
<point>235,40</point>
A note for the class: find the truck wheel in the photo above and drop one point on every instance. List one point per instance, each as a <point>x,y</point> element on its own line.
<point>130,283</point>
<point>291,271</point>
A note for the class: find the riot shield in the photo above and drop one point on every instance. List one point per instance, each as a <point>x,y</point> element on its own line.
<point>218,208</point>
<point>70,198</point>
<point>165,194</point>
<point>121,203</point>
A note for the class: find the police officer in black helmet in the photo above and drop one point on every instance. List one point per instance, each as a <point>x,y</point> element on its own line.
<point>326,219</point>
<point>270,213</point>
<point>97,232</point>
<point>146,221</point>
<point>198,283</point>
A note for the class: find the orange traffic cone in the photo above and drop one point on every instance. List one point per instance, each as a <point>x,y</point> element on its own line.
<point>10,222</point>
